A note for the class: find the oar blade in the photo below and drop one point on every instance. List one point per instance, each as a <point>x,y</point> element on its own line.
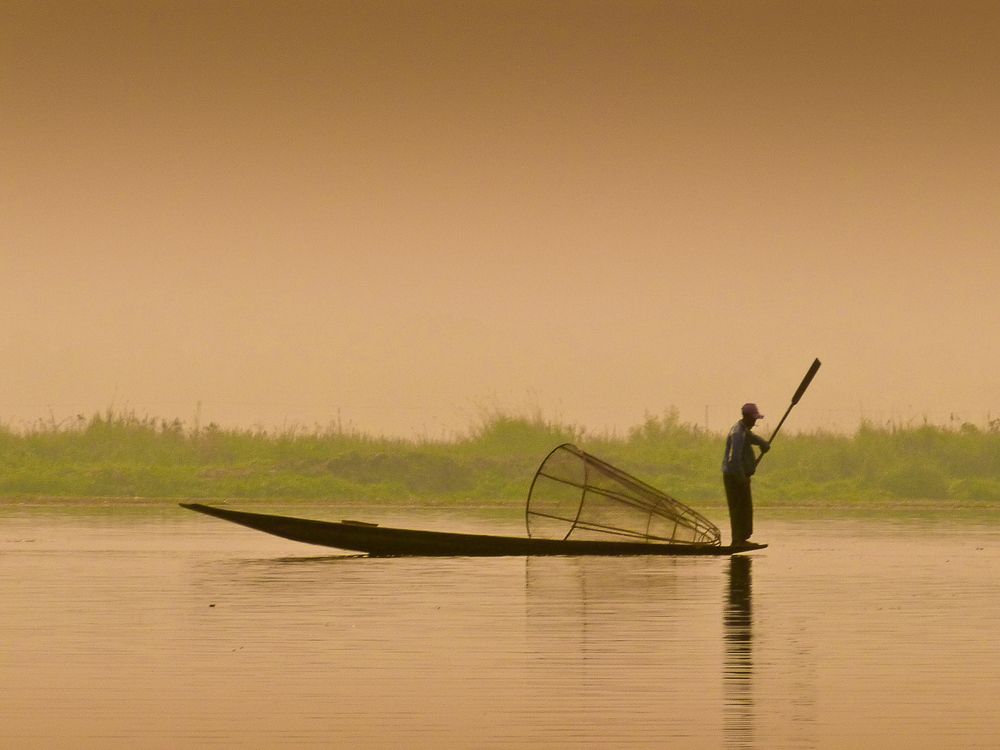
<point>806,381</point>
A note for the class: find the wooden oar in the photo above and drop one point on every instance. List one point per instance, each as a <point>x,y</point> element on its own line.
<point>795,399</point>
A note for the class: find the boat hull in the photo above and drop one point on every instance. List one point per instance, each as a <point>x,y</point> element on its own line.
<point>383,541</point>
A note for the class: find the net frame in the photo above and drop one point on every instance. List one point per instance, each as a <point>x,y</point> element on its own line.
<point>639,499</point>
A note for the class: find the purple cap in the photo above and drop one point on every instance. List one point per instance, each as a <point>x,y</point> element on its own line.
<point>750,410</point>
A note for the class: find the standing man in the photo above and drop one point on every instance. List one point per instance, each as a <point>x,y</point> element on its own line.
<point>738,465</point>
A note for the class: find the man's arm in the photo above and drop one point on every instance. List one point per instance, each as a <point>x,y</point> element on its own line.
<point>760,443</point>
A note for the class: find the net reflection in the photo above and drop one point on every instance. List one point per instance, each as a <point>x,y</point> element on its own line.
<point>738,717</point>
<point>594,602</point>
<point>616,646</point>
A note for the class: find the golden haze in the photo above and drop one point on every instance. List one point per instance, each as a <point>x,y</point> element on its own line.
<point>391,211</point>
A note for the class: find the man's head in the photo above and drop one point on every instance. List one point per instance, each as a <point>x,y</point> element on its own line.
<point>751,414</point>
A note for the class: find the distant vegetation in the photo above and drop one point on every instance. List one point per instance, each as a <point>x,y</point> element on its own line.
<point>122,455</point>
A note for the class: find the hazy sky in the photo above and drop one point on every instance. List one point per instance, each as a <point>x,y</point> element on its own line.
<point>400,211</point>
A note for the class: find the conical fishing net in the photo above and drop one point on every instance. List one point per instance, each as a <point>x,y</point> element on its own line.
<point>577,495</point>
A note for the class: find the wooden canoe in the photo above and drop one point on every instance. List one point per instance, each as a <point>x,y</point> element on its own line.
<point>383,541</point>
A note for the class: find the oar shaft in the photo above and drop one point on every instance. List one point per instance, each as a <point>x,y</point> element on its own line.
<point>787,412</point>
<point>795,399</point>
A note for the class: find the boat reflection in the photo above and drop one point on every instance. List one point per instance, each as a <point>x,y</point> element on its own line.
<point>738,716</point>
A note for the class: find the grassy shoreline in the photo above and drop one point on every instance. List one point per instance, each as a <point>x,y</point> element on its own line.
<point>123,458</point>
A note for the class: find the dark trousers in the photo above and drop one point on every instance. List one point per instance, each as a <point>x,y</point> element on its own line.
<point>740,508</point>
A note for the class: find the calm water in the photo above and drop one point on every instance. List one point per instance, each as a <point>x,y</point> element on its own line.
<point>165,629</point>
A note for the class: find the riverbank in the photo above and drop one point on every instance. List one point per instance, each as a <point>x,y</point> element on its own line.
<point>126,458</point>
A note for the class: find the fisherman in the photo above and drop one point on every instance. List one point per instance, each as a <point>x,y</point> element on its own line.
<point>738,465</point>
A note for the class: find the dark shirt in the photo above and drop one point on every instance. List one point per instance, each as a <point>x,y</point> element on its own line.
<point>739,460</point>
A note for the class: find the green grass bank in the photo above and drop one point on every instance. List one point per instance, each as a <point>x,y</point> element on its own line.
<point>117,455</point>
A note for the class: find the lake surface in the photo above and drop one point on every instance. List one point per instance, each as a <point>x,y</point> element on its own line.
<point>160,628</point>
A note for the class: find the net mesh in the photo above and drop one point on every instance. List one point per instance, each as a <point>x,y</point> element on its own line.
<point>578,495</point>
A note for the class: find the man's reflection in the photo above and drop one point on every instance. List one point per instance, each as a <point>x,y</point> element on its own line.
<point>738,663</point>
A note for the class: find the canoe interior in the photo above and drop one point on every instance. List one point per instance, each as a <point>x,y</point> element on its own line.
<point>382,541</point>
